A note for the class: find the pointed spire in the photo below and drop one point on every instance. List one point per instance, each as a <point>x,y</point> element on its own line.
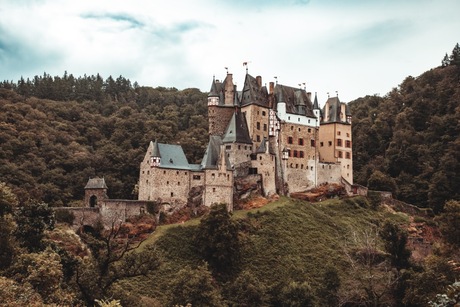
<point>156,150</point>
<point>315,103</point>
<point>213,92</point>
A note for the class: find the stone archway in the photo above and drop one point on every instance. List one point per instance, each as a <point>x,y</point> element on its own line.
<point>93,201</point>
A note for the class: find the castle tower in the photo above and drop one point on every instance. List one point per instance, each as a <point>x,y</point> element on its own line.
<point>95,191</point>
<point>221,99</point>
<point>155,157</point>
<point>335,137</point>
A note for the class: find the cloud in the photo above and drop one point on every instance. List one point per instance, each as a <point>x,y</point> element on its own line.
<point>126,19</point>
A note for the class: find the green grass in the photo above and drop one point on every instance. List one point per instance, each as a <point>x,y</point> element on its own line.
<point>286,240</point>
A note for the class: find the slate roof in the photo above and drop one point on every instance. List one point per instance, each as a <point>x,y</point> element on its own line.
<point>296,99</point>
<point>334,110</point>
<point>96,183</point>
<point>172,156</point>
<point>237,130</point>
<point>212,153</point>
<point>253,93</point>
<point>263,148</point>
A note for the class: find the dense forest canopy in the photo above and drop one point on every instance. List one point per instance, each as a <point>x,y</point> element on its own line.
<point>56,132</point>
<point>410,138</point>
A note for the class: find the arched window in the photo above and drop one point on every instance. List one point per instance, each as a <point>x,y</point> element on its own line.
<point>93,201</point>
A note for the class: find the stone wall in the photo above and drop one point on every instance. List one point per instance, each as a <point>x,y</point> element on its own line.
<point>218,188</point>
<point>257,120</point>
<point>265,164</point>
<point>329,172</point>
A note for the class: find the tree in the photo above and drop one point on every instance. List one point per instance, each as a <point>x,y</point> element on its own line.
<point>114,256</point>
<point>450,221</point>
<point>328,291</point>
<point>32,219</point>
<point>445,61</point>
<point>245,290</point>
<point>8,243</point>
<point>296,294</point>
<point>217,240</point>
<point>454,58</point>
<point>194,286</point>
<point>395,240</point>
<point>381,182</point>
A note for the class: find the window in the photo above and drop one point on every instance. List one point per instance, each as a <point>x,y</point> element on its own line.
<point>312,143</point>
<point>348,134</point>
<point>339,142</point>
<point>330,143</point>
<point>167,182</point>
<point>339,154</point>
<point>239,146</point>
<point>309,130</point>
<point>178,183</point>
<point>213,189</point>
<point>347,155</point>
<point>321,144</point>
<point>213,175</point>
<point>228,147</point>
<point>300,141</point>
<point>263,113</point>
<point>290,140</point>
<point>295,153</point>
<point>258,138</point>
<point>177,172</point>
<point>258,126</point>
<point>338,132</point>
<point>292,127</point>
<point>347,143</point>
<point>172,194</point>
<point>196,177</point>
<point>265,127</point>
<point>301,154</point>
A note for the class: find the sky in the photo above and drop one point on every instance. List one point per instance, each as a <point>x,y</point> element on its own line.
<point>351,48</point>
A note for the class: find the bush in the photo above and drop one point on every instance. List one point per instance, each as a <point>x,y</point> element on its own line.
<point>64,216</point>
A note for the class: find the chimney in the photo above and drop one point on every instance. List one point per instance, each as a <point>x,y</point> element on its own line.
<point>309,95</point>
<point>259,81</point>
<point>272,88</point>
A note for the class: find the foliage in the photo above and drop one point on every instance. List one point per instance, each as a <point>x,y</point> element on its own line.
<point>449,299</point>
<point>395,241</point>
<point>43,271</point>
<point>450,221</point>
<point>380,182</point>
<point>64,216</point>
<point>295,294</point>
<point>412,136</point>
<point>245,290</point>
<point>194,286</point>
<point>14,294</point>
<point>329,289</point>
<point>217,240</point>
<point>8,200</point>
<point>108,303</point>
<point>56,132</point>
<point>32,219</point>
<point>113,258</point>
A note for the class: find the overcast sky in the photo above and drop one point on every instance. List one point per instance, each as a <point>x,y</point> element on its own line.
<point>354,47</point>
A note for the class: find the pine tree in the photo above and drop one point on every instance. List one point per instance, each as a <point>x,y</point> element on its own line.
<point>455,56</point>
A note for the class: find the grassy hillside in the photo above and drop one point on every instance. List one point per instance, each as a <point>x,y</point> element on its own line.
<point>287,241</point>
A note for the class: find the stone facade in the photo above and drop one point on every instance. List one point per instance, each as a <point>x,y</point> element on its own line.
<point>277,133</point>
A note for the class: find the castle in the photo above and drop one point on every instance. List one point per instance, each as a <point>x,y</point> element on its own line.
<point>275,134</point>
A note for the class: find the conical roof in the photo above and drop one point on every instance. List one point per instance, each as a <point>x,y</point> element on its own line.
<point>237,130</point>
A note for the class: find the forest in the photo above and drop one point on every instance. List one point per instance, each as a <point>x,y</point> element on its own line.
<point>56,132</point>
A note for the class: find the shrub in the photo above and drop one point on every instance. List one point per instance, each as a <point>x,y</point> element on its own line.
<point>64,216</point>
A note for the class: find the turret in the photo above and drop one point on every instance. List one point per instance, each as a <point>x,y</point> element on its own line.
<point>213,96</point>
<point>155,157</point>
<point>316,109</point>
